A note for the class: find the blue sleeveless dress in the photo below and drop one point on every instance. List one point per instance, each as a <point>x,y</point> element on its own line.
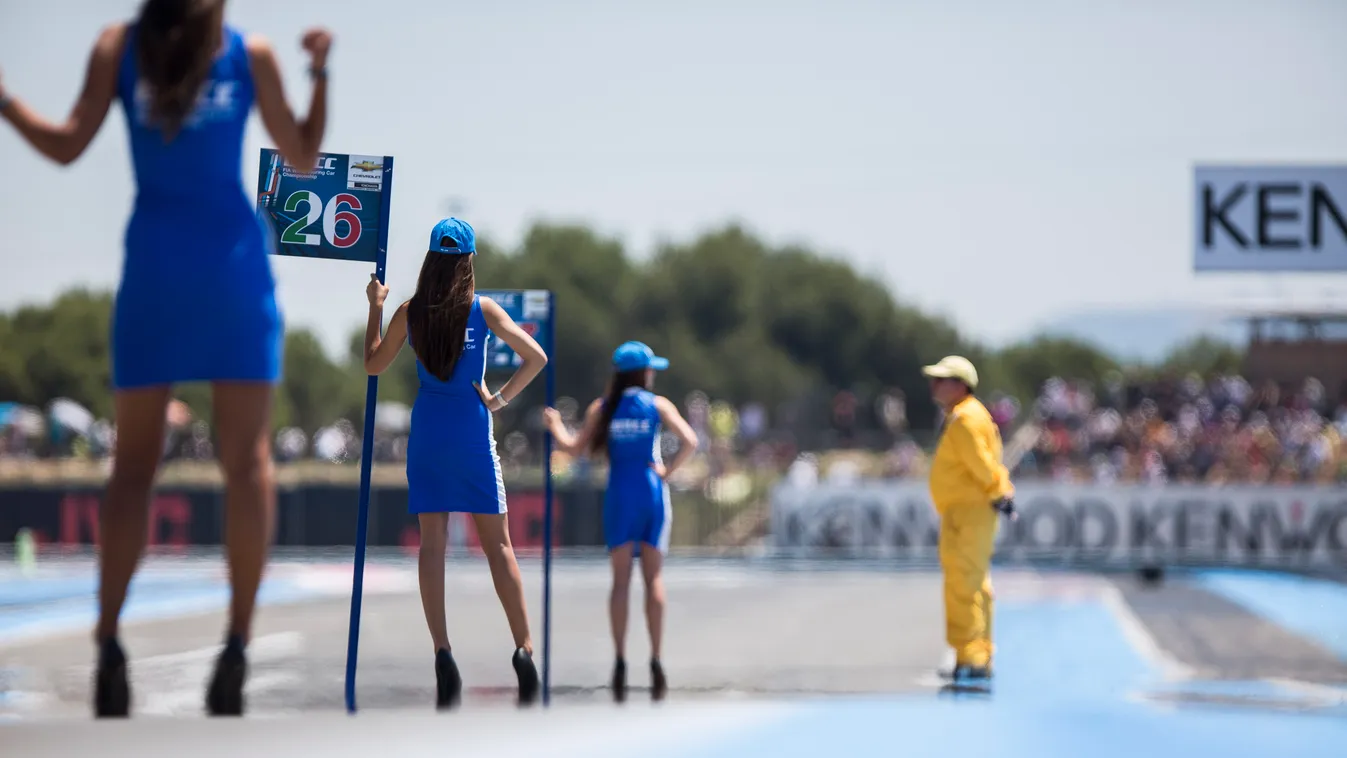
<point>197,298</point>
<point>452,464</point>
<point>636,505</point>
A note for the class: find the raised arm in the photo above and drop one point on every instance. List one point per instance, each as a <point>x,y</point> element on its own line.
<point>297,140</point>
<point>574,444</point>
<point>532,355</point>
<point>687,438</point>
<point>67,141</point>
<point>381,349</point>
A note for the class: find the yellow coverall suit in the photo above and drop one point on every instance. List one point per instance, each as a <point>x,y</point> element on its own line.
<point>967,476</point>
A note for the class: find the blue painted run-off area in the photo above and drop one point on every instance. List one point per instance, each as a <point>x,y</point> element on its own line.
<point>16,590</point>
<point>1313,608</point>
<point>1070,684</point>
<point>61,604</point>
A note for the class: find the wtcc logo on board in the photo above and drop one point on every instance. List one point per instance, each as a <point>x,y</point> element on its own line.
<point>326,165</point>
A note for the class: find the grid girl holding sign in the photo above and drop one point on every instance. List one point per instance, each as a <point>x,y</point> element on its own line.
<point>452,464</point>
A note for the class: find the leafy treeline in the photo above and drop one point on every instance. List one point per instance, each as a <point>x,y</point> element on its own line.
<point>739,320</point>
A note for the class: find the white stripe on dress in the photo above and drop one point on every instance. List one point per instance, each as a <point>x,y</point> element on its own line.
<point>667,527</point>
<point>491,431</point>
<point>495,461</point>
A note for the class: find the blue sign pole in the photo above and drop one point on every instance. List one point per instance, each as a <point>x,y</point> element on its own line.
<point>550,336</point>
<point>367,460</point>
<point>329,210</point>
<point>535,312</point>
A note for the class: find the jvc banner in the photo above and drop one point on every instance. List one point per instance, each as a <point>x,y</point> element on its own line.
<point>315,515</point>
<point>1270,218</point>
<point>1080,525</point>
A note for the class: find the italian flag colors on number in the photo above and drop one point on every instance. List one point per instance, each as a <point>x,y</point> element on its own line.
<point>338,211</point>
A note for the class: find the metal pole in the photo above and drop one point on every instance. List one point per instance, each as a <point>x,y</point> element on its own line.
<point>367,459</point>
<point>547,504</point>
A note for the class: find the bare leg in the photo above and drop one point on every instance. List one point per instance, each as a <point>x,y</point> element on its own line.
<point>652,562</point>
<point>618,598</point>
<point>122,534</point>
<point>494,534</point>
<point>243,426</point>
<point>124,517</point>
<point>430,572</point>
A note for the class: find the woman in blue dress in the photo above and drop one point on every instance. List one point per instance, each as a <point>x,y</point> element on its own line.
<point>452,465</point>
<point>625,425</point>
<point>196,300</point>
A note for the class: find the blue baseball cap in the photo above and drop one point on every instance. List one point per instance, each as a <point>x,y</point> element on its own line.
<point>461,237</point>
<point>633,356</point>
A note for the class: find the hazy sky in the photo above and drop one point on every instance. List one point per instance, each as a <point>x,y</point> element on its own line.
<point>1003,163</point>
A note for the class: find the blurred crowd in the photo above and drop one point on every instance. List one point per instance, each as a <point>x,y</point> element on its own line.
<point>1187,430</point>
<point>1216,430</point>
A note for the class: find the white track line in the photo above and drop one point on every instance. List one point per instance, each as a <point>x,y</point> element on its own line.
<point>194,667</point>
<point>191,697</point>
<point>186,673</point>
<point>266,647</point>
<point>1140,637</point>
<point>1330,696</point>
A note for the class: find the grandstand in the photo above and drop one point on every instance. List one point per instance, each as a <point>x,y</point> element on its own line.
<point>1287,346</point>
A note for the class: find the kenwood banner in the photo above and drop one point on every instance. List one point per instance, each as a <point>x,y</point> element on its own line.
<point>1270,218</point>
<point>1080,525</point>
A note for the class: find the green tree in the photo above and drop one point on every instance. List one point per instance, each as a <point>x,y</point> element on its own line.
<point>312,386</point>
<point>593,283</point>
<point>738,318</point>
<point>59,350</point>
<point>398,384</point>
<point>1029,364</point>
<point>1205,356</point>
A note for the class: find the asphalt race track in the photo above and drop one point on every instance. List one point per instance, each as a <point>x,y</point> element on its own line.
<point>761,655</point>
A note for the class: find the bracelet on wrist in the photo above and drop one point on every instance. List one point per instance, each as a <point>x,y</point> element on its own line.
<point>5,100</point>
<point>318,72</point>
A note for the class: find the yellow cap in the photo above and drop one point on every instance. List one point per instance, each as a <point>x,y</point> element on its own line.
<point>954,367</point>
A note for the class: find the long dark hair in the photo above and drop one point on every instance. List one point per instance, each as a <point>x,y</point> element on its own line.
<point>437,314</point>
<point>176,44</point>
<point>621,382</point>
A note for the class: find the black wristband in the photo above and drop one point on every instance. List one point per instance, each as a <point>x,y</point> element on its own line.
<point>5,101</point>
<point>318,73</point>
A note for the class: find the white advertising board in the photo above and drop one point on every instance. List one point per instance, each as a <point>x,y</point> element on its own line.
<point>1079,525</point>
